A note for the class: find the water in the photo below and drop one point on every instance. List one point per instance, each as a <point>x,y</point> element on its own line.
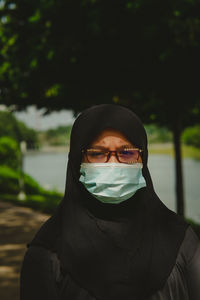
<point>162,169</point>
<point>49,169</point>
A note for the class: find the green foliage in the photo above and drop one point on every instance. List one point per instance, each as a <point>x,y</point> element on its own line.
<point>53,90</point>
<point>31,185</point>
<point>9,185</point>
<point>158,134</point>
<point>9,152</point>
<point>59,130</point>
<point>191,151</point>
<point>149,54</point>
<point>9,182</point>
<point>57,136</point>
<point>170,29</point>
<point>191,136</point>
<point>11,127</point>
<point>29,135</point>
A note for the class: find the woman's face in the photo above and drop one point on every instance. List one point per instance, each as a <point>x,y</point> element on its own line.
<point>110,139</point>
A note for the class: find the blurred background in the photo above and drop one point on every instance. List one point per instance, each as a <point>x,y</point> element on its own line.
<point>60,57</point>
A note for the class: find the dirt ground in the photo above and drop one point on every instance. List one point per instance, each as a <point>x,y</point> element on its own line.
<point>18,225</point>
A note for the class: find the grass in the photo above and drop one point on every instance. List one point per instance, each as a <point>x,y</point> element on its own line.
<point>167,148</point>
<point>189,151</point>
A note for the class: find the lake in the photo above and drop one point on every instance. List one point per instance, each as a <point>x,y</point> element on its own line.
<point>49,169</point>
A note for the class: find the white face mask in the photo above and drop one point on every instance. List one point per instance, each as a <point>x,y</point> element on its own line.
<point>112,182</point>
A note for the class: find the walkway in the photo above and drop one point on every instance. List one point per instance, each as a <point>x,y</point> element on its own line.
<point>18,225</point>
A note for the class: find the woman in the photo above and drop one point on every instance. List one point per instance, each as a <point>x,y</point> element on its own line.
<point>111,237</point>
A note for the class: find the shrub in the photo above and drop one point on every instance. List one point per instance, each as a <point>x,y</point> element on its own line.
<point>158,134</point>
<point>9,183</point>
<point>9,152</point>
<point>36,196</point>
<point>9,180</point>
<point>32,186</point>
<point>191,136</point>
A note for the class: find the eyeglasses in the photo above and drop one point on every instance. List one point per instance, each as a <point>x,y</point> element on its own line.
<point>127,156</point>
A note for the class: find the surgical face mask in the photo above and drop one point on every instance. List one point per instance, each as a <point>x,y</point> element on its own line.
<point>112,182</point>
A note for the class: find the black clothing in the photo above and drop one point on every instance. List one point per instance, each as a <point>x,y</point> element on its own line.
<point>124,251</point>
<point>184,280</point>
<point>42,278</point>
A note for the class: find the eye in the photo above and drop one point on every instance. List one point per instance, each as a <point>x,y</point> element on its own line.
<point>127,152</point>
<point>128,155</point>
<point>95,153</point>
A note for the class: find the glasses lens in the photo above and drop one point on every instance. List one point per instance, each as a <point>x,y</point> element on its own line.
<point>128,156</point>
<point>95,156</point>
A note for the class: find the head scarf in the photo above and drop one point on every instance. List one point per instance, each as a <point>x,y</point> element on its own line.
<point>123,251</point>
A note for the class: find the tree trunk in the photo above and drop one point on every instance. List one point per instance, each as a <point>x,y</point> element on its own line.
<point>178,162</point>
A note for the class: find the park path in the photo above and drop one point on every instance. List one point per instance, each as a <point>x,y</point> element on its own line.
<point>18,225</point>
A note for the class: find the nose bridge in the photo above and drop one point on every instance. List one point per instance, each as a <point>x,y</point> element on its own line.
<point>113,157</point>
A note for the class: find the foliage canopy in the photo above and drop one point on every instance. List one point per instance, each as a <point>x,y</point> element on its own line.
<point>71,54</point>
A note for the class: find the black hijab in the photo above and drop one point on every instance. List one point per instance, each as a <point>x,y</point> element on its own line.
<point>123,251</point>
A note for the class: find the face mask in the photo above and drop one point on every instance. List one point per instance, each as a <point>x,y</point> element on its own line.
<point>112,182</point>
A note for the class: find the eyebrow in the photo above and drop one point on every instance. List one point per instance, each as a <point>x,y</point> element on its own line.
<point>121,147</point>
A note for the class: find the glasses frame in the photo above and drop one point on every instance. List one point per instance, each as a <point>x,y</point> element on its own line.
<point>108,153</point>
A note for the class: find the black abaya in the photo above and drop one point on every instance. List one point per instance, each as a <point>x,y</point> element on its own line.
<point>106,251</point>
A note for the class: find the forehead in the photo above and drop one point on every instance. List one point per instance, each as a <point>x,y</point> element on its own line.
<point>110,134</point>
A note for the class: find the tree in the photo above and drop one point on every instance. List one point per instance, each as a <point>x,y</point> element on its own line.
<point>17,130</point>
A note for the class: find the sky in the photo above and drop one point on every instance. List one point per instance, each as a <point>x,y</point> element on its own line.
<point>33,118</point>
